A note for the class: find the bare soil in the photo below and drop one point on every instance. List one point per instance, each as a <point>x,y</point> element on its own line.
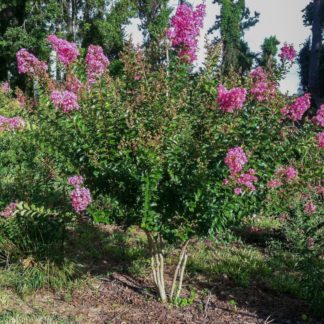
<point>119,299</point>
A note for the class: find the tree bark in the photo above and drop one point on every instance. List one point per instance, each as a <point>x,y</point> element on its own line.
<point>313,78</point>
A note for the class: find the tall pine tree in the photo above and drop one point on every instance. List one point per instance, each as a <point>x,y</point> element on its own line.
<point>232,22</point>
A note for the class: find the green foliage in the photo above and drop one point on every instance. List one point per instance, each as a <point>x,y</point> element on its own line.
<point>154,16</point>
<point>269,52</point>
<point>30,276</point>
<point>33,232</point>
<point>233,20</point>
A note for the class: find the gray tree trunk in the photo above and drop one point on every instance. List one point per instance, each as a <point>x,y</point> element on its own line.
<point>313,77</point>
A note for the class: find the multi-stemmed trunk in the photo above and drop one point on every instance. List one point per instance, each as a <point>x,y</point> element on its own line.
<point>157,266</point>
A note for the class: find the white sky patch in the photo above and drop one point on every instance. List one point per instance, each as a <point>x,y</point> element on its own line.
<point>282,18</point>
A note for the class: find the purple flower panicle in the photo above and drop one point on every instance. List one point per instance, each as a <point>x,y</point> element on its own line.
<point>9,210</point>
<point>29,63</point>
<point>76,181</point>
<point>67,52</point>
<point>97,63</point>
<point>296,111</point>
<point>65,100</point>
<point>319,118</point>
<point>287,53</point>
<point>230,100</point>
<point>185,29</point>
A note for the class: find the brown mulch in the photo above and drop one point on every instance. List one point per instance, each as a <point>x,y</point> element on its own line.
<point>119,299</point>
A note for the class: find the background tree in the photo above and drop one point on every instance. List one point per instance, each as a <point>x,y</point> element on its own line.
<point>26,23</point>
<point>269,51</point>
<point>232,22</point>
<point>311,56</point>
<point>154,16</point>
<point>104,24</point>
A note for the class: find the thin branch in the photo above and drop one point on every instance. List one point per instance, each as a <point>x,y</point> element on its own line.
<point>183,250</point>
<point>181,275</point>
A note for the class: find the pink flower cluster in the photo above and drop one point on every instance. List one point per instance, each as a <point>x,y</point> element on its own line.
<point>248,179</point>
<point>261,88</point>
<point>185,29</point>
<point>296,111</point>
<point>81,199</point>
<point>29,63</point>
<point>5,87</point>
<point>11,123</point>
<point>309,208</point>
<point>65,100</point>
<point>275,183</point>
<point>282,174</point>
<point>320,139</point>
<point>230,100</point>
<point>76,181</point>
<point>97,63</point>
<point>73,84</point>
<point>67,52</point>
<point>80,196</point>
<point>319,118</point>
<point>287,53</point>
<point>235,160</point>
<point>9,210</point>
<point>21,98</point>
<point>289,173</point>
<point>320,190</point>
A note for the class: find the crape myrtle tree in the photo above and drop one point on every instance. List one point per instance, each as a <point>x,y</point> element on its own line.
<point>177,154</point>
<point>232,22</point>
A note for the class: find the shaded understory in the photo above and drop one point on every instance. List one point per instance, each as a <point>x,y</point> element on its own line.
<point>105,278</point>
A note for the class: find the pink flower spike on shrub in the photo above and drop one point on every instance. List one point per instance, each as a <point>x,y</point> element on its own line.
<point>287,174</point>
<point>185,29</point>
<point>319,118</point>
<point>296,111</point>
<point>13,123</point>
<point>310,208</point>
<point>275,183</point>
<point>320,139</point>
<point>291,173</point>
<point>29,63</point>
<point>261,88</point>
<point>73,84</point>
<point>64,100</point>
<point>235,160</point>
<point>5,87</point>
<point>67,52</point>
<point>9,210</point>
<point>287,53</point>
<point>81,199</point>
<point>248,179</point>
<point>76,181</point>
<point>258,74</point>
<point>238,191</point>
<point>225,182</point>
<point>97,63</point>
<point>230,100</point>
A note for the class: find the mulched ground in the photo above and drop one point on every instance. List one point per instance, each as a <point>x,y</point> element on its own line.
<point>118,299</point>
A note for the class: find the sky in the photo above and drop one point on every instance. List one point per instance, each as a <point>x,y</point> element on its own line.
<point>282,18</point>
